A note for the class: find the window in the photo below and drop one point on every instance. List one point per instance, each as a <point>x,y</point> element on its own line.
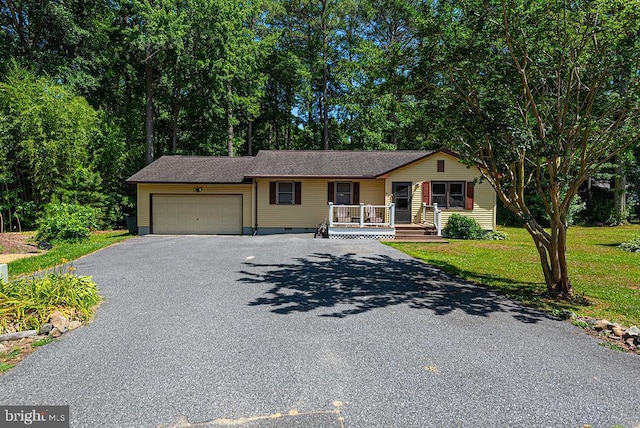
<point>440,165</point>
<point>448,194</point>
<point>285,193</point>
<point>343,193</point>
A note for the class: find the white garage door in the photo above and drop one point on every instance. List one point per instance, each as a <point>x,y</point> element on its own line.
<point>197,214</point>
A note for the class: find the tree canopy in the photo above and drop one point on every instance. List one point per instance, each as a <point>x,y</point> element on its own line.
<point>541,94</point>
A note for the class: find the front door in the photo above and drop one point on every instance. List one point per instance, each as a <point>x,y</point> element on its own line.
<point>402,199</point>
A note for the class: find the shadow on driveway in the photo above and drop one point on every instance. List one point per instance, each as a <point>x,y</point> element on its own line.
<point>366,283</point>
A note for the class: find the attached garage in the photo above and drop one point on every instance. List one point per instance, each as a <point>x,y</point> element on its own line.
<point>195,195</point>
<point>196,214</point>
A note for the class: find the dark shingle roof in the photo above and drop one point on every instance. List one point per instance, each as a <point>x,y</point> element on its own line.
<point>276,163</point>
<point>331,163</point>
<point>194,169</point>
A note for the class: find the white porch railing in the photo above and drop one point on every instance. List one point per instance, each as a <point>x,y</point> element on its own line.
<point>361,215</point>
<point>437,220</point>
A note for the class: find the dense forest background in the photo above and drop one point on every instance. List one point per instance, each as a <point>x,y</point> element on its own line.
<point>92,90</point>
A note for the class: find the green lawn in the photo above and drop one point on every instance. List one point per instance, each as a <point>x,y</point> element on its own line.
<point>64,252</point>
<point>608,277</point>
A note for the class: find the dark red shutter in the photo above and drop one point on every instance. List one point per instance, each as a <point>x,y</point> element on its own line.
<point>426,192</point>
<point>272,193</point>
<point>298,193</point>
<point>441,165</point>
<point>331,193</point>
<point>356,193</point>
<point>468,202</point>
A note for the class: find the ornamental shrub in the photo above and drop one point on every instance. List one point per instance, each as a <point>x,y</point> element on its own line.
<point>66,222</point>
<point>463,227</point>
<point>633,246</point>
<point>495,235</point>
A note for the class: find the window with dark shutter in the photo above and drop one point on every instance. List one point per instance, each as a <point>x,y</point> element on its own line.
<point>298,193</point>
<point>356,193</point>
<point>343,193</point>
<point>331,192</point>
<point>285,193</point>
<point>468,203</point>
<point>273,192</point>
<point>448,194</point>
<point>426,192</point>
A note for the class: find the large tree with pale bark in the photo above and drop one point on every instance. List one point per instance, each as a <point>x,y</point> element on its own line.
<point>539,92</point>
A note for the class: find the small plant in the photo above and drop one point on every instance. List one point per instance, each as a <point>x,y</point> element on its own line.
<point>66,222</point>
<point>495,235</point>
<point>26,303</point>
<point>8,359</point>
<point>42,342</point>
<point>633,246</point>
<point>579,323</point>
<point>463,227</point>
<point>612,346</point>
<point>6,366</point>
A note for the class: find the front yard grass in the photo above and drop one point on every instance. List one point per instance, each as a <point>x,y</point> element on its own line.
<point>63,252</point>
<point>606,276</point>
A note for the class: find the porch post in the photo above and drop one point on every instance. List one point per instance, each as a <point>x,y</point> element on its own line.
<point>392,214</point>
<point>330,214</point>
<point>436,219</point>
<point>424,212</point>
<point>361,214</point>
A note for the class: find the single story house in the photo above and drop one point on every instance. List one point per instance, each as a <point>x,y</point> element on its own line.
<point>355,192</point>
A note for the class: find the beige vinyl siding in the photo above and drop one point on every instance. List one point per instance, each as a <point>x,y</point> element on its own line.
<point>146,189</point>
<point>314,208</point>
<point>484,201</point>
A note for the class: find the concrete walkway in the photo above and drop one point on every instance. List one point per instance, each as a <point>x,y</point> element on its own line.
<point>289,331</point>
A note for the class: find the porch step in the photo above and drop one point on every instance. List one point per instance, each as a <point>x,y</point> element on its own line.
<point>416,233</point>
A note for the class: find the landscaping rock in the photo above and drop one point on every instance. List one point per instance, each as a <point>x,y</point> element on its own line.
<point>55,333</point>
<point>631,341</point>
<point>632,332</point>
<point>618,330</point>
<point>4,348</point>
<point>602,325</point>
<point>59,321</point>
<point>17,335</point>
<point>45,329</point>
<point>74,324</point>
<point>44,245</point>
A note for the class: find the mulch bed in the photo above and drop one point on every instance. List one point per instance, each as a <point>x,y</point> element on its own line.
<point>17,243</point>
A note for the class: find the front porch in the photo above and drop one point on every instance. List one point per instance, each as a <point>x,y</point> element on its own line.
<point>378,222</point>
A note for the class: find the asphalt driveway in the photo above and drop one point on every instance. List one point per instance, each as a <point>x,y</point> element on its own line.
<point>219,331</point>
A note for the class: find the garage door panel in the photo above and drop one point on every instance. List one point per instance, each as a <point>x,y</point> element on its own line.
<point>197,214</point>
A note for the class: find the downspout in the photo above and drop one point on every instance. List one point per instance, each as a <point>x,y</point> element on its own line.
<point>255,208</point>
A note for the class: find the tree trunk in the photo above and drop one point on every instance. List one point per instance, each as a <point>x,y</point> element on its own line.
<point>148,124</point>
<point>6,187</point>
<point>175,115</point>
<point>250,138</point>
<point>552,252</point>
<point>620,193</point>
<point>229,121</point>
<point>174,127</point>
